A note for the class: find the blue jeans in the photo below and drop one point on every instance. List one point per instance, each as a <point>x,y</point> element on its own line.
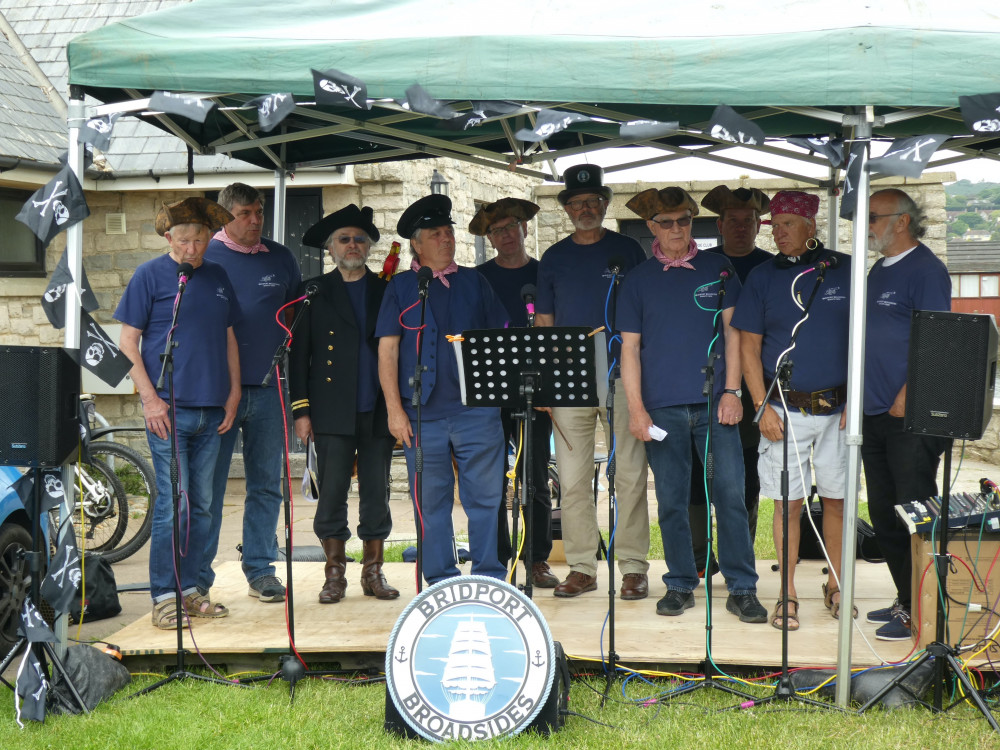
<point>476,439</point>
<point>197,439</point>
<point>259,417</point>
<point>670,460</point>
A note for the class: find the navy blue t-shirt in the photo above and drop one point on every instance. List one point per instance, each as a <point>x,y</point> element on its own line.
<point>766,307</point>
<point>357,293</point>
<point>744,264</point>
<point>508,283</point>
<point>674,312</point>
<point>919,281</point>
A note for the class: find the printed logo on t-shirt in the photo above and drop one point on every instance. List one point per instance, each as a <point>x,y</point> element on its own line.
<point>886,299</point>
<point>707,296</point>
<point>832,294</point>
<point>220,292</point>
<point>267,280</point>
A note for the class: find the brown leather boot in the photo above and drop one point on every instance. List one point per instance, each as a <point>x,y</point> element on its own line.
<point>336,563</point>
<point>373,583</point>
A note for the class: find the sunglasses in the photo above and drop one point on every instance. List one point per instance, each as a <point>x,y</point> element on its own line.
<point>346,239</point>
<point>667,223</point>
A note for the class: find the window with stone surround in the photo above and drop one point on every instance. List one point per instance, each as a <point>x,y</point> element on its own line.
<point>21,253</point>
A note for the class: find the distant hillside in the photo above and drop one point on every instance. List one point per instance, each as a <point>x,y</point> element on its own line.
<point>968,189</point>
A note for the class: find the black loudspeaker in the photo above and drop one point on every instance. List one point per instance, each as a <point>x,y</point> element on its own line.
<point>950,374</point>
<point>39,406</point>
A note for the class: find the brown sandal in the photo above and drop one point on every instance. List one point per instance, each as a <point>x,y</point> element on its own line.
<point>198,605</point>
<point>165,615</point>
<point>780,610</point>
<point>828,593</point>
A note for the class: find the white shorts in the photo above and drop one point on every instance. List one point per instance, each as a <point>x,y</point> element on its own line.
<point>821,443</point>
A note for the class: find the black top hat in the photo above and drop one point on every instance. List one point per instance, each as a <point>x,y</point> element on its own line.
<point>584,178</point>
<point>430,211</point>
<point>348,216</point>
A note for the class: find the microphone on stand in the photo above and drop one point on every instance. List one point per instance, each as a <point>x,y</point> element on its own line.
<point>528,296</point>
<point>312,289</point>
<point>832,262</point>
<point>616,264</point>
<point>727,273</point>
<point>184,273</point>
<point>424,276</point>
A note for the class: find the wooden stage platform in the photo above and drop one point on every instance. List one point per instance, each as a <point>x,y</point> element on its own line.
<point>354,632</point>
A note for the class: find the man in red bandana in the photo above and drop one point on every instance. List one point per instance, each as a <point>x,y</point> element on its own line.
<point>674,309</point>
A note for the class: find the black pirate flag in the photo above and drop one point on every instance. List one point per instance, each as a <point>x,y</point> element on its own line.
<point>981,112</point>
<point>420,101</point>
<point>480,113</point>
<point>97,130</point>
<point>339,89</point>
<point>272,109</point>
<point>52,490</point>
<point>849,198</point>
<point>101,355</point>
<point>57,206</point>
<point>189,106</point>
<point>54,301</point>
<point>32,687</point>
<point>729,125</point>
<point>907,157</point>
<point>33,626</point>
<point>830,148</point>
<point>548,123</point>
<point>61,584</point>
<point>644,130</point>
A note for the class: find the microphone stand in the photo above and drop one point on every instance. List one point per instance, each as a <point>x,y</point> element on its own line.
<point>709,669</point>
<point>528,388</point>
<point>418,449</point>
<point>785,690</point>
<point>167,371</point>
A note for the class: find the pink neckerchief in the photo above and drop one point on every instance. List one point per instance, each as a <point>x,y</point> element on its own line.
<point>452,268</point>
<point>669,263</point>
<point>232,244</point>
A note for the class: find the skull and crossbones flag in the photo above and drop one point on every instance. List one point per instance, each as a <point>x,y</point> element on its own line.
<point>981,112</point>
<point>54,298</point>
<point>33,626</point>
<point>272,109</point>
<point>548,123</point>
<point>101,355</point>
<point>52,490</point>
<point>420,101</point>
<point>54,207</point>
<point>32,688</point>
<point>907,157</point>
<point>830,148</point>
<point>481,111</point>
<point>61,584</point>
<point>729,125</point>
<point>97,130</point>
<point>849,196</point>
<point>339,89</point>
<point>186,105</point>
<point>644,130</point>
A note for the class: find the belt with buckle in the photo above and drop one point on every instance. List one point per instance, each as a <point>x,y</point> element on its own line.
<point>818,403</point>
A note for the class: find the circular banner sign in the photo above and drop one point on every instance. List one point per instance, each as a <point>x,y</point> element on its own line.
<point>470,658</point>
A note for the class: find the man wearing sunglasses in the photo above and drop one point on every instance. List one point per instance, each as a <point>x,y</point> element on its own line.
<point>337,400</point>
<point>669,316</point>
<point>511,274</point>
<point>265,275</point>
<point>574,280</point>
<point>899,466</point>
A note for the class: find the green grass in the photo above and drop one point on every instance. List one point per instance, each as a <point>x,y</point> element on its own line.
<point>325,714</point>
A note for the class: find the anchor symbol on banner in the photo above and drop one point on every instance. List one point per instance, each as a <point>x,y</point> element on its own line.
<point>539,661</point>
<point>402,658</point>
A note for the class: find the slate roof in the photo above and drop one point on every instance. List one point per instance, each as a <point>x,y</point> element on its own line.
<point>45,27</point>
<point>30,126</point>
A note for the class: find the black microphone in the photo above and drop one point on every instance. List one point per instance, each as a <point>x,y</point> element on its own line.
<point>616,264</point>
<point>727,273</point>
<point>312,289</point>
<point>424,276</point>
<point>184,272</point>
<point>528,296</point>
<point>832,262</point>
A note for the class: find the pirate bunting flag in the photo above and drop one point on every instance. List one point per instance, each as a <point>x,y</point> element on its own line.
<point>339,89</point>
<point>54,298</point>
<point>32,687</point>
<point>644,130</point>
<point>192,107</point>
<point>52,490</point>
<point>272,109</point>
<point>61,584</point>
<point>981,112</point>
<point>33,625</point>
<point>101,355</point>
<point>830,148</point>
<point>849,198</point>
<point>480,113</point>
<point>420,101</point>
<point>97,131</point>
<point>54,207</point>
<point>907,157</point>
<point>548,123</point>
<point>729,125</point>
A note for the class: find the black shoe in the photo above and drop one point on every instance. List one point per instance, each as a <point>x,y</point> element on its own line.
<point>674,603</point>
<point>747,607</point>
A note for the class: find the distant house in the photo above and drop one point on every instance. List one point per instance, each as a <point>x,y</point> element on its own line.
<point>977,235</point>
<point>975,277</point>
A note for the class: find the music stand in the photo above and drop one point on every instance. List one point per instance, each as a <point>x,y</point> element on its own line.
<point>527,367</point>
